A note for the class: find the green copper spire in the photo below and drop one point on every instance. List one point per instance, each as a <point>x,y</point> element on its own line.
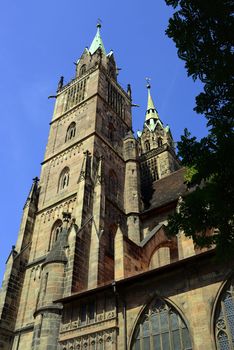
<point>97,42</point>
<point>151,117</point>
<point>151,112</point>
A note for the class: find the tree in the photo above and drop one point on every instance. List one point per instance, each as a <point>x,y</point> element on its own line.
<point>203,33</point>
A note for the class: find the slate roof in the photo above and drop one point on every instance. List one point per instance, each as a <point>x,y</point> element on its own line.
<point>168,189</point>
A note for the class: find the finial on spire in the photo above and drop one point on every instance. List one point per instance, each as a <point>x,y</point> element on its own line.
<point>151,112</point>
<point>148,82</point>
<point>99,23</point>
<point>97,41</point>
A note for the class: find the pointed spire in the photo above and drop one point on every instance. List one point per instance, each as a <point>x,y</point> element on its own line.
<point>97,41</point>
<point>32,196</point>
<point>151,112</point>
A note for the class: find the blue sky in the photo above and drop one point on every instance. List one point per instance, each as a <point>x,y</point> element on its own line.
<point>39,41</point>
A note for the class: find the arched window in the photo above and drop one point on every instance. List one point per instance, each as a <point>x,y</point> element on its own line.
<point>64,179</point>
<point>71,131</point>
<point>224,319</point>
<point>83,69</point>
<point>161,327</point>
<point>160,142</point>
<point>147,146</point>
<point>55,231</point>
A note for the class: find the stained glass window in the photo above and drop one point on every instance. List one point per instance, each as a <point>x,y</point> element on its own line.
<point>161,328</point>
<point>224,320</point>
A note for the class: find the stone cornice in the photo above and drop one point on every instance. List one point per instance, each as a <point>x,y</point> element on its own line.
<point>79,142</point>
<point>156,151</point>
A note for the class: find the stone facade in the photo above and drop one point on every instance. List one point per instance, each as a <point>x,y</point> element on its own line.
<point>93,267</point>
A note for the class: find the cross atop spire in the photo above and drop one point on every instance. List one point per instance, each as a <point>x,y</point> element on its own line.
<point>97,41</point>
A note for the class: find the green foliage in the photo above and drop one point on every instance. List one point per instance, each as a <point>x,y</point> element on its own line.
<point>203,34</point>
<point>190,174</point>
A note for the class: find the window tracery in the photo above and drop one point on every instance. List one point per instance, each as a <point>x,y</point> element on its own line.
<point>224,320</point>
<point>161,327</point>
<point>71,131</point>
<point>116,101</point>
<point>75,94</point>
<point>64,179</point>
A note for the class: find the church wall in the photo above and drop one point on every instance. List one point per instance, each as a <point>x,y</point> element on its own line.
<point>113,258</point>
<point>79,272</point>
<point>90,323</point>
<point>191,288</point>
<point>23,341</point>
<point>193,296</point>
<point>153,219</point>
<point>83,114</point>
<point>43,227</point>
<point>29,296</point>
<point>63,98</point>
<point>104,81</point>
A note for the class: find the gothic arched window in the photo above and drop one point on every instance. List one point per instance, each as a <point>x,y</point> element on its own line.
<point>71,131</point>
<point>160,142</point>
<point>83,69</point>
<point>224,319</point>
<point>64,179</point>
<point>56,229</point>
<point>161,327</point>
<point>147,146</point>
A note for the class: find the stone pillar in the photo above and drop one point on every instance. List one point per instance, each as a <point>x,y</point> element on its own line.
<point>15,270</point>
<point>97,226</point>
<point>132,188</point>
<point>83,180</point>
<point>185,246</point>
<point>119,255</point>
<point>48,313</point>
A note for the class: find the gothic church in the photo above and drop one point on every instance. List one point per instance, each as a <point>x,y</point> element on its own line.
<point>93,267</point>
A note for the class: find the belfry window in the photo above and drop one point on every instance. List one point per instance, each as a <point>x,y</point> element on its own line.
<point>147,146</point>
<point>116,101</point>
<point>160,142</point>
<point>75,94</point>
<point>71,131</point>
<point>224,320</point>
<point>64,179</point>
<point>161,327</point>
<point>83,69</point>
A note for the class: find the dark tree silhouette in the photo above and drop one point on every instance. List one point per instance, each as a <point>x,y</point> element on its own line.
<point>203,33</point>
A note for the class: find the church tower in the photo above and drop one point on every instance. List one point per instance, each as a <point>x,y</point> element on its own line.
<point>157,151</point>
<point>82,197</point>
<point>93,267</point>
